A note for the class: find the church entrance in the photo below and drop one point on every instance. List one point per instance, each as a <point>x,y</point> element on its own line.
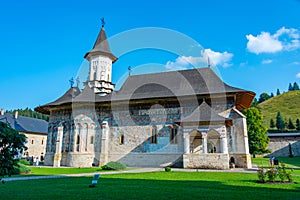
<point>196,142</point>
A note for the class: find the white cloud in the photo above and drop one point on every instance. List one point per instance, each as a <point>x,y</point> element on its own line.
<point>268,61</point>
<point>283,40</point>
<point>216,58</point>
<point>298,75</point>
<point>263,43</point>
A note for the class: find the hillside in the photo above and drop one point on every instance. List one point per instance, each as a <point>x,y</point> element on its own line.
<point>287,103</point>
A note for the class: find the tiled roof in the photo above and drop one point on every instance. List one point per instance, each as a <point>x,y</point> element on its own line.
<point>200,81</point>
<point>101,46</point>
<point>204,113</point>
<point>25,124</point>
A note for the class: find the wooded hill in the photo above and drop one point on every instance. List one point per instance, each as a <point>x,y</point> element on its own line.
<point>288,104</point>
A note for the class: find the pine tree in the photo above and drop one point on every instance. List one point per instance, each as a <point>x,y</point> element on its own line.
<point>290,124</point>
<point>280,125</point>
<point>295,86</point>
<point>290,87</point>
<point>272,123</point>
<point>277,92</point>
<point>272,95</point>
<point>297,124</point>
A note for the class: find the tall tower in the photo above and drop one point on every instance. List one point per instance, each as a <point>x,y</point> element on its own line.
<point>101,60</point>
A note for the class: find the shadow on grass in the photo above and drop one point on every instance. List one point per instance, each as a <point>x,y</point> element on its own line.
<point>138,188</point>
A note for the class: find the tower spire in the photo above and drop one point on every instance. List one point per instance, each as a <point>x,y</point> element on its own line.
<point>101,60</point>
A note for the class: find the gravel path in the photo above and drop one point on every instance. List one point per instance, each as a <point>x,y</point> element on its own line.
<point>138,170</point>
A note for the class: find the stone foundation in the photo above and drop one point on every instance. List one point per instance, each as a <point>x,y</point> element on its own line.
<point>146,159</point>
<point>241,160</point>
<point>206,161</point>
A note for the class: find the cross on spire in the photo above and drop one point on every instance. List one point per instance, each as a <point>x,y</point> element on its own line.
<point>71,82</point>
<point>129,70</point>
<point>102,22</point>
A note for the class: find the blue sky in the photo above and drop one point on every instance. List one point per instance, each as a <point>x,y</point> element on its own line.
<point>255,45</point>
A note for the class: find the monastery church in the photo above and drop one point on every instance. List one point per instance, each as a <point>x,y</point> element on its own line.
<point>186,118</point>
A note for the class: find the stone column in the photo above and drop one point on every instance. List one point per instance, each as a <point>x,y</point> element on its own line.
<point>104,143</point>
<point>186,143</point>
<point>49,141</point>
<point>224,146</point>
<point>57,155</point>
<point>204,142</point>
<point>245,133</point>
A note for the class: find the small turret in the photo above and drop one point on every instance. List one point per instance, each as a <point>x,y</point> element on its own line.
<point>100,68</point>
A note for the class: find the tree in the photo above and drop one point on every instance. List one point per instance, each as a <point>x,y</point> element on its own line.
<point>271,95</point>
<point>263,97</point>
<point>272,123</point>
<point>295,86</point>
<point>12,144</point>
<point>277,92</point>
<point>254,103</point>
<point>290,124</point>
<point>297,124</point>
<point>257,132</point>
<point>290,87</point>
<point>280,125</point>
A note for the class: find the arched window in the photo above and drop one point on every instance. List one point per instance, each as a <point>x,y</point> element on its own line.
<point>77,142</point>
<point>153,135</point>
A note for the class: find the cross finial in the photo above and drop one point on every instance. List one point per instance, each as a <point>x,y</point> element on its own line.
<point>71,81</point>
<point>208,61</point>
<point>102,22</point>
<point>129,70</point>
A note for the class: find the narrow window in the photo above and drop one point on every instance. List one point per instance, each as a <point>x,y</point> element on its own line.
<point>122,139</point>
<point>173,135</point>
<point>153,135</point>
<point>42,142</point>
<point>92,140</point>
<point>32,141</point>
<point>77,143</point>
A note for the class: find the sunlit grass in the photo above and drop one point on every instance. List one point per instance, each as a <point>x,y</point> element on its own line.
<point>155,185</point>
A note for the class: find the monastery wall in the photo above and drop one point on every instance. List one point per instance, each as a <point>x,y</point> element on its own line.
<point>206,161</point>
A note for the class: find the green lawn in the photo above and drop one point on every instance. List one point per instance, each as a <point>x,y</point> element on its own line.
<point>293,163</point>
<point>56,171</point>
<point>155,185</point>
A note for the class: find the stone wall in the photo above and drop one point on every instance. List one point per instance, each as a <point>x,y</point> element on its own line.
<point>279,146</point>
<point>36,144</point>
<point>206,161</point>
<point>242,160</point>
<point>146,159</point>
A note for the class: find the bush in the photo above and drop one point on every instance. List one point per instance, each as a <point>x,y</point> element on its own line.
<point>24,162</point>
<point>261,174</point>
<point>167,169</point>
<point>114,166</point>
<point>21,169</point>
<point>272,173</point>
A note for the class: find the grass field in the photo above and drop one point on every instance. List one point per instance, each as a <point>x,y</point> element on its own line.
<point>286,103</point>
<point>155,185</point>
<point>290,162</point>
